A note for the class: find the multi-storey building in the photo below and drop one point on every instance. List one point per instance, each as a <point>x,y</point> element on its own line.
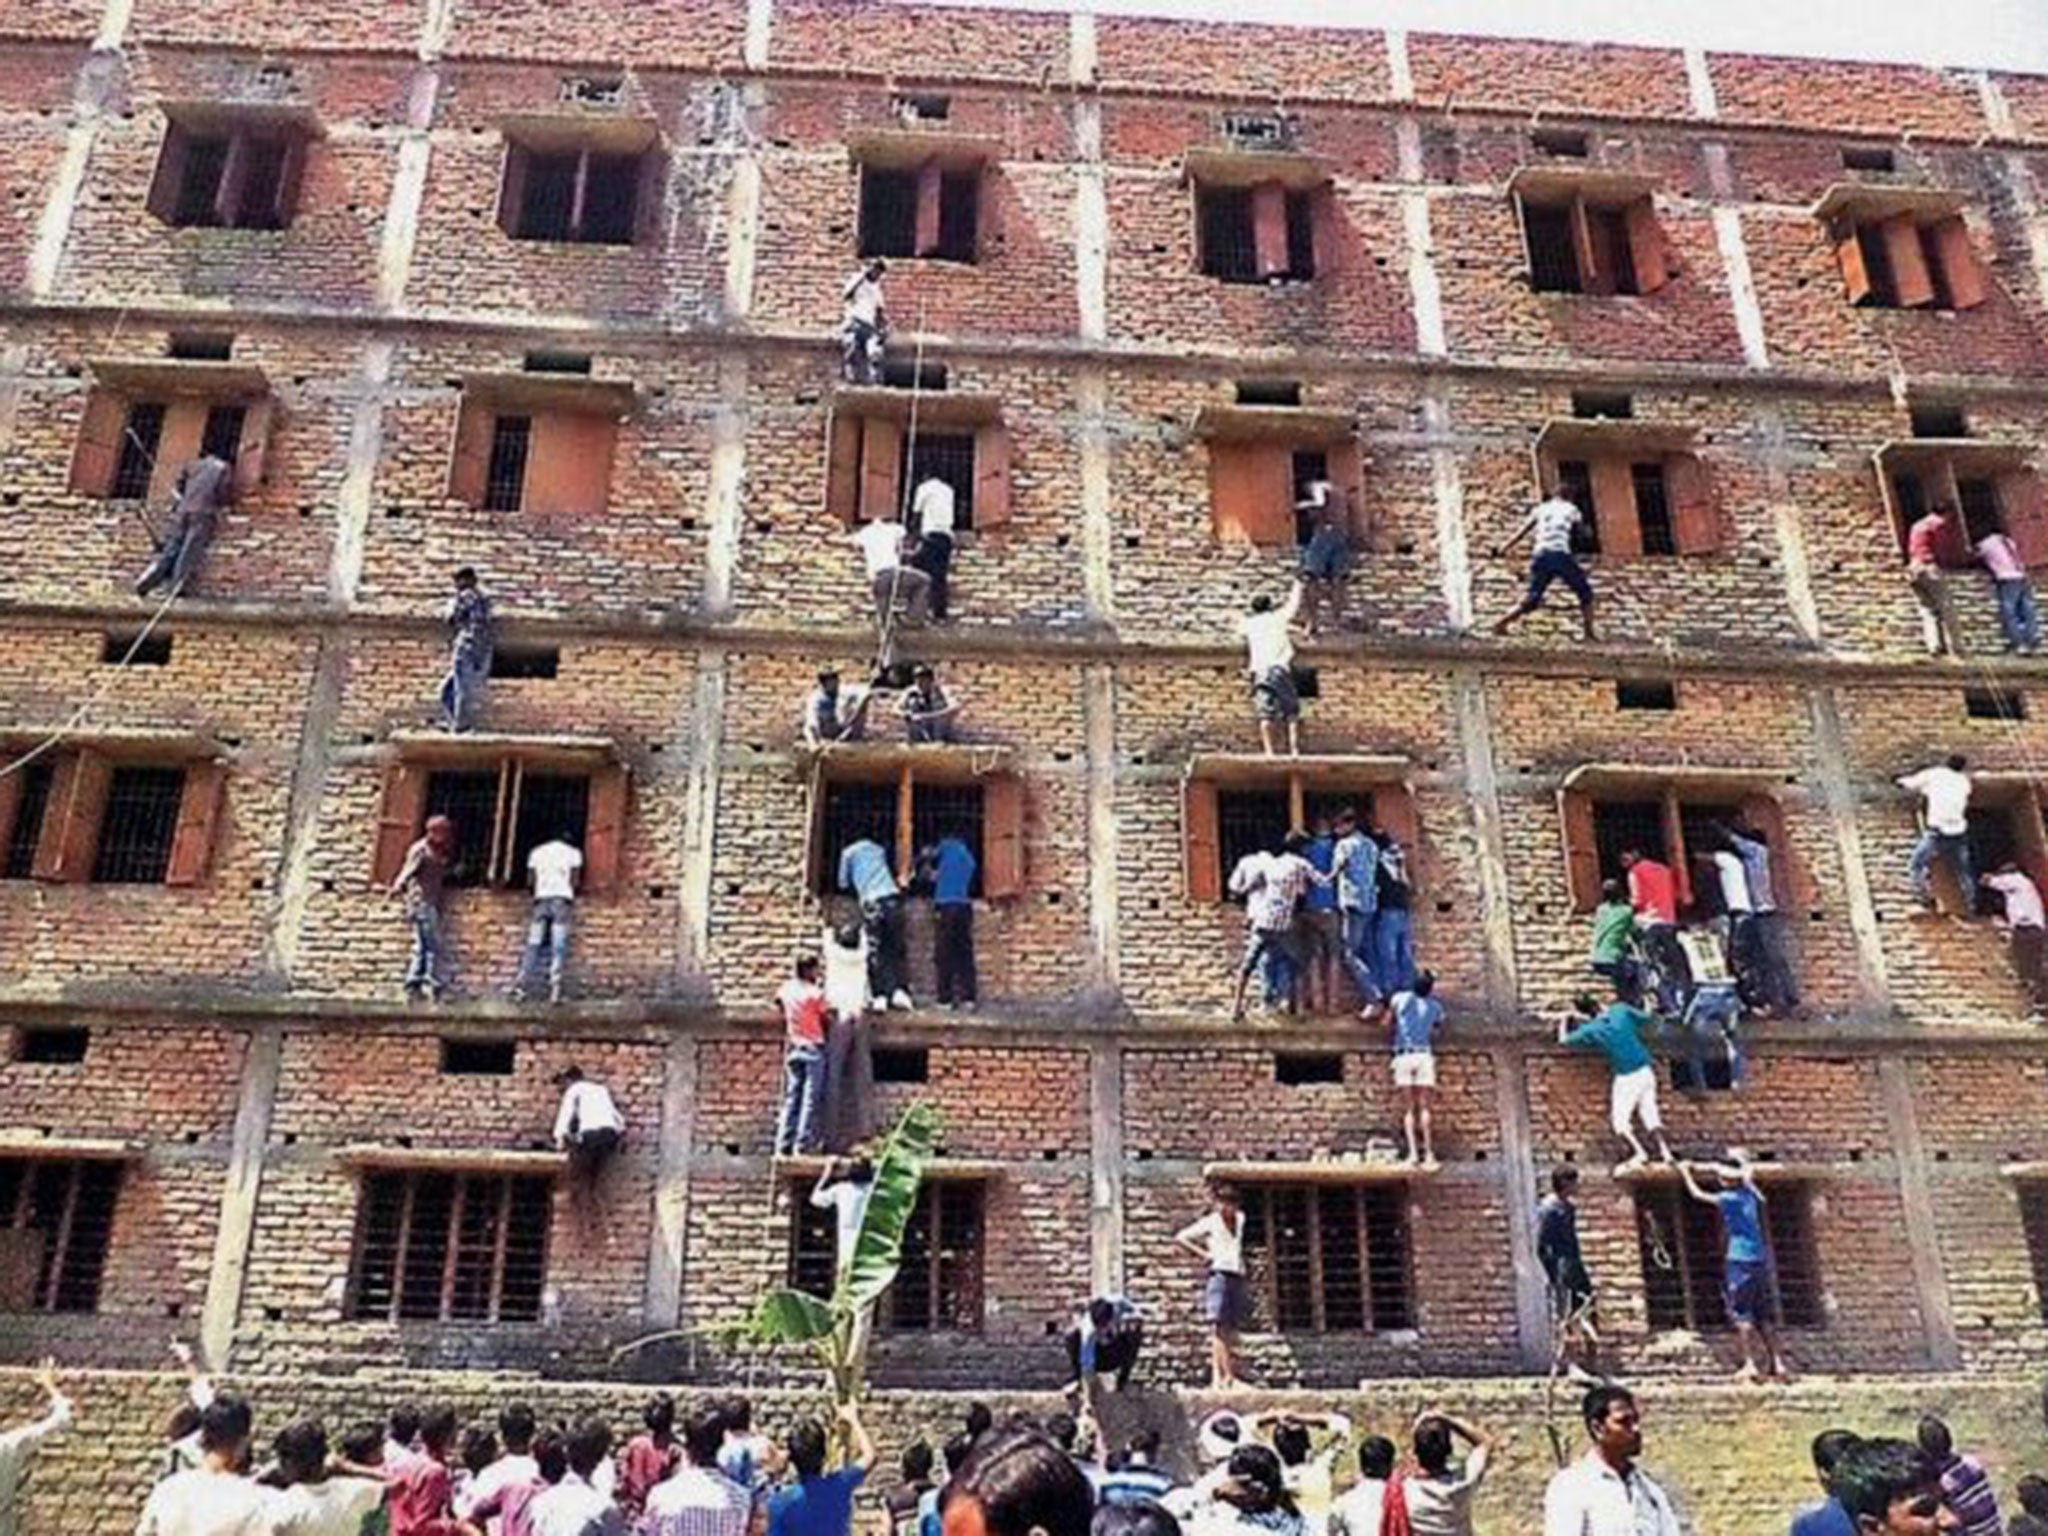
<point>552,290</point>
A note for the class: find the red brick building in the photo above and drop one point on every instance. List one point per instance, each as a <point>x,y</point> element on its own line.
<point>1765,307</point>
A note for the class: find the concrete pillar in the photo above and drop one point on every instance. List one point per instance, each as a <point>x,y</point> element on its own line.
<point>1091,224</point>
<point>661,1305</point>
<point>1081,48</point>
<point>760,32</point>
<point>1699,84</point>
<point>1400,74</point>
<point>742,203</point>
<point>1098,516</point>
<point>1518,1176</point>
<point>1106,1169</point>
<point>1916,1200</point>
<point>1839,795</point>
<point>237,1227</point>
<point>1453,553</point>
<point>1788,523</point>
<point>1099,714</point>
<point>1501,983</point>
<point>354,499</point>
<point>725,495</point>
<point>113,31</point>
<point>702,736</point>
<point>1749,316</point>
<point>292,885</point>
<point>408,186</point>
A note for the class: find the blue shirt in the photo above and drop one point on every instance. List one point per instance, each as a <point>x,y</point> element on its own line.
<point>952,873</point>
<point>1358,868</point>
<point>1826,1518</point>
<point>1617,1035</point>
<point>1742,1219</point>
<point>815,1506</point>
<point>1321,854</point>
<point>1130,1485</point>
<point>864,870</point>
<point>1415,1020</point>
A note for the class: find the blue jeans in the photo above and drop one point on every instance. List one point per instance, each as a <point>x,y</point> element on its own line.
<point>1396,965</point>
<point>1361,953</point>
<point>1266,951</point>
<point>463,688</point>
<point>803,1088</point>
<point>2016,614</point>
<point>425,970</point>
<point>1943,845</point>
<point>548,934</point>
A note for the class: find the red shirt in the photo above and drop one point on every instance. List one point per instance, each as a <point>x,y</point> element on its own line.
<point>642,1465</point>
<point>508,1507</point>
<point>1652,890</point>
<point>803,1011</point>
<point>421,1499</point>
<point>1923,538</point>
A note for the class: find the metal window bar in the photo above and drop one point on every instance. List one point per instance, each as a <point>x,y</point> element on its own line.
<point>548,204</point>
<point>1225,218</point>
<point>1619,825</point>
<point>853,812</point>
<point>469,798</point>
<point>1553,260</point>
<point>1249,821</point>
<point>1653,509</point>
<point>70,1206</point>
<point>1795,1258</point>
<point>959,215</point>
<point>611,196</point>
<point>29,809</point>
<point>1389,1256</point>
<point>957,1272</point>
<point>813,1243</point>
<point>1681,1243</point>
<point>948,810</point>
<point>548,805</point>
<point>136,462</point>
<point>1609,230</point>
<point>1301,236</point>
<point>913,1303</point>
<point>205,160</point>
<point>222,434</point>
<point>1575,485</point>
<point>1992,836</point>
<point>2033,1199</point>
<point>1979,502</point>
<point>440,1247</point>
<point>505,476</point>
<point>138,825</point>
<point>257,207</point>
<point>888,212</point>
<point>949,456</point>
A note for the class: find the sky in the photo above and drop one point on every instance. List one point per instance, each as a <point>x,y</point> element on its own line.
<point>2003,34</point>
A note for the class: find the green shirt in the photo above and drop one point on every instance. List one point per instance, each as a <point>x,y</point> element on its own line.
<point>1614,931</point>
<point>1617,1035</point>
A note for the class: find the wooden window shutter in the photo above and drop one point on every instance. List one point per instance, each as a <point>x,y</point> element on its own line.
<point>469,452</point>
<point>1697,525</point>
<point>1614,507</point>
<point>234,176</point>
<point>399,818</point>
<point>2030,839</point>
<point>992,479</point>
<point>169,181</point>
<point>1911,281</point>
<point>71,824</point>
<point>1855,270</point>
<point>512,189</point>
<point>511,783</point>
<point>1791,880</point>
<point>1269,228</point>
<point>930,183</point>
<point>1326,230</point>
<point>253,449</point>
<point>1347,479</point>
<point>569,467</point>
<point>184,431</point>
<point>1675,850</point>
<point>1201,841</point>
<point>2020,507</point>
<point>1961,272</point>
<point>10,806</point>
<point>1393,809</point>
<point>1251,492</point>
<point>1581,848</point>
<point>881,467</point>
<point>816,876</point>
<point>1648,250</point>
<point>291,172</point>
<point>1594,277</point>
<point>604,834</point>
<point>1002,836</point>
<point>100,430</point>
<point>198,819</point>
<point>650,199</point>
<point>842,467</point>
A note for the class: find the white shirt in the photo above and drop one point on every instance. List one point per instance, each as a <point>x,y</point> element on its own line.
<point>1267,639</point>
<point>1226,1248</point>
<point>1358,1513</point>
<point>2022,900</point>
<point>206,1503</point>
<point>1947,796</point>
<point>574,1508</point>
<point>846,976</point>
<point>1734,882</point>
<point>863,298</point>
<point>587,1106</point>
<point>1554,521</point>
<point>881,545</point>
<point>1443,1506</point>
<point>699,1500</point>
<point>1590,1498</point>
<point>848,1203</point>
<point>553,866</point>
<point>502,1473</point>
<point>336,1507</point>
<point>933,505</point>
<point>16,1446</point>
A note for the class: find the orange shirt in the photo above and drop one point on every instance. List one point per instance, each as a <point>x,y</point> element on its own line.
<point>1653,891</point>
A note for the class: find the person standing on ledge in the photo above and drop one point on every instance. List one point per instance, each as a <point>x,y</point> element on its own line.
<point>202,489</point>
<point>469,651</point>
<point>1269,659</point>
<point>1552,521</point>
<point>864,329</point>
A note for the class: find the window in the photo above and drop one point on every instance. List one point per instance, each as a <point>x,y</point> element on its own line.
<point>1268,391</point>
<point>1681,1247</point>
<point>1938,421</point>
<point>1907,260</point>
<point>1994,704</point>
<point>526,661</point>
<point>914,373</point>
<point>56,1218</point>
<point>928,798</point>
<point>874,462</point>
<point>1325,1258</point>
<point>902,1064</point>
<point>136,463</point>
<point>1653,509</point>
<point>479,1058</point>
<point>560,191</point>
<point>133,648</point>
<point>1872,157</point>
<point>1250,821</point>
<point>1594,243</point>
<point>1591,404</point>
<point>938,1289</point>
<point>194,347</point>
<point>52,1047</point>
<point>503,808</point>
<point>573,363</point>
<point>2033,1201</point>
<point>932,211</point>
<point>450,1247</point>
<point>132,442</point>
<point>229,174</point>
<point>1294,1069</point>
<point>1635,693</point>
<point>1672,824</point>
<point>923,107</point>
<point>1251,810</point>
<point>81,815</point>
<point>537,443</point>
<point>1989,483</point>
<point>1256,484</point>
<point>505,478</point>
<point>1637,504</point>
<point>1566,143</point>
<point>1268,233</point>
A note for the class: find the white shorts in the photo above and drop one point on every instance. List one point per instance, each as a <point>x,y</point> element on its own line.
<point>1415,1069</point>
<point>1635,1094</point>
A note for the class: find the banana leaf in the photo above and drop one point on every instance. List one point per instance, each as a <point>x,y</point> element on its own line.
<point>790,1317</point>
<point>899,1172</point>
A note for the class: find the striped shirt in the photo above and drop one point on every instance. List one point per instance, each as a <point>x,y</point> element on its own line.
<point>697,1501</point>
<point>1966,1490</point>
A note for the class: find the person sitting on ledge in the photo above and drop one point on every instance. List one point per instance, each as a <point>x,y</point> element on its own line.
<point>834,714</point>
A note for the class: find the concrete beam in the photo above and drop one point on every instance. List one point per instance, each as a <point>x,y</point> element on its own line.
<point>1106,1169</point>
<point>1518,1194</point>
<point>1916,1199</point>
<point>662,1302</point>
<point>237,1226</point>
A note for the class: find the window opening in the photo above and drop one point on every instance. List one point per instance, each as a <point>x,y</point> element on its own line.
<point>1607,229</point>
<point>222,434</point>
<point>198,348</point>
<point>526,661</point>
<point>922,107</point>
<point>557,362</point>
<point>469,798</point>
<point>1268,391</point>
<point>908,373</point>
<point>1636,693</point>
<point>939,1287</point>
<point>1939,421</point>
<point>949,456</point>
<point>1570,143</point>
<point>579,196</point>
<point>30,808</point>
<point>1994,704</point>
<point>1981,514</point>
<point>1653,509</point>
<point>505,477</point>
<point>129,647</point>
<point>138,826</point>
<point>59,1047</point>
<point>854,811</point>
<point>1589,404</point>
<point>1297,1068</point>
<point>1619,825</point>
<point>949,810</point>
<point>550,805</point>
<point>1575,485</point>
<point>1869,158</point>
<point>1309,465</point>
<point>1248,821</point>
<point>1553,260</point>
<point>2033,1200</point>
<point>1226,225</point>
<point>479,1058</point>
<point>1680,1244</point>
<point>136,462</point>
<point>888,212</point>
<point>902,1064</point>
<point>450,1247</point>
<point>64,1213</point>
<point>1329,1259</point>
<point>1992,839</point>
